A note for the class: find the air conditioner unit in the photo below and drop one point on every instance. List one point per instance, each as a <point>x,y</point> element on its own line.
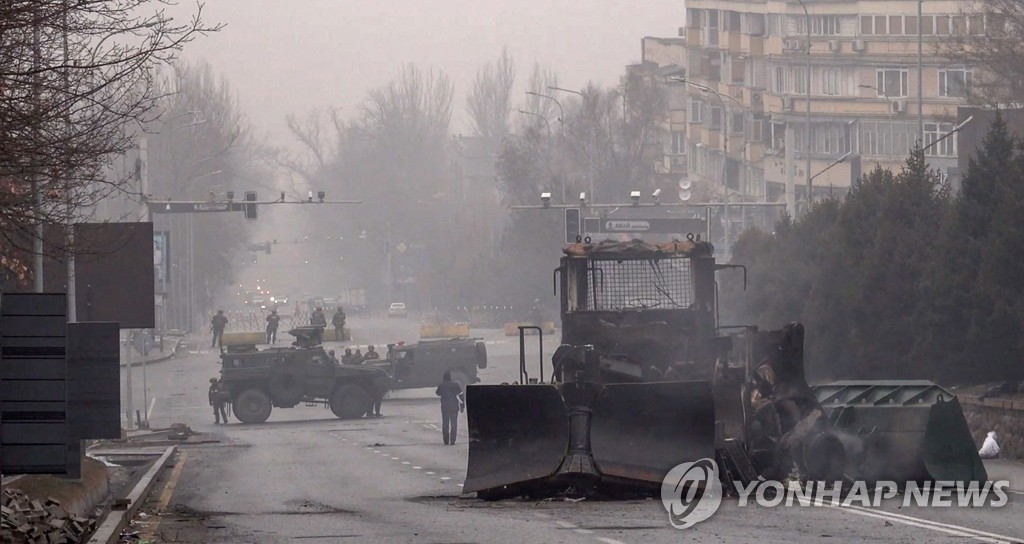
<point>833,46</point>
<point>682,32</point>
<point>859,46</point>
<point>898,106</point>
<point>787,104</point>
<point>792,45</point>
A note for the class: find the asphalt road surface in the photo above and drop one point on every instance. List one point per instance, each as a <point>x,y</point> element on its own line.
<point>305,476</point>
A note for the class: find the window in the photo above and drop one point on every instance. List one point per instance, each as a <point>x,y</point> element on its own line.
<point>696,111</point>
<point>895,25</point>
<point>928,26</point>
<point>715,118</point>
<point>942,25</point>
<point>678,142</point>
<point>886,139</point>
<point>932,133</point>
<point>955,83</point>
<point>880,26</point>
<point>893,82</point>
<point>755,24</point>
<point>867,25</point>
<point>821,25</point>
<point>910,25</point>
<point>831,79</point>
<point>737,123</point>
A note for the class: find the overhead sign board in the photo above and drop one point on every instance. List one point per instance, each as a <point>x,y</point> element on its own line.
<point>659,225</point>
<point>195,207</point>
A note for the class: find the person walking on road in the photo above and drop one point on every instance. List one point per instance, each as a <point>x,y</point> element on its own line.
<point>452,402</point>
<point>272,322</point>
<point>217,325</point>
<point>338,321</point>
<point>218,399</point>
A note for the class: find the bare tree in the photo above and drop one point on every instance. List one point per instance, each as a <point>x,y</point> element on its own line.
<point>73,77</point>
<point>490,99</point>
<point>993,43</point>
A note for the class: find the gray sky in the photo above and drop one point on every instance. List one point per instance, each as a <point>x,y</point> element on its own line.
<point>289,56</point>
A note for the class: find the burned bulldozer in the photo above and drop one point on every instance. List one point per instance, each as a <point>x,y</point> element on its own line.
<point>645,378</point>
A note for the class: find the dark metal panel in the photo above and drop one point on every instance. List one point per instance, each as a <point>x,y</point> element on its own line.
<point>114,278</point>
<point>48,459</point>
<point>33,326</point>
<point>47,369</point>
<point>34,304</point>
<point>94,380</point>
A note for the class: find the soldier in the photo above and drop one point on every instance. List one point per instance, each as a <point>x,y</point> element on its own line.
<point>370,354</point>
<point>272,321</point>
<point>334,357</point>
<point>317,319</point>
<point>338,321</point>
<point>357,357</point>
<point>217,325</point>
<point>346,359</point>
<point>452,402</point>
<point>218,401</point>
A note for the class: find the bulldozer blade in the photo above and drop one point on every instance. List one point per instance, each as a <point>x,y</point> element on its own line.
<point>517,434</point>
<point>640,431</point>
<point>901,431</point>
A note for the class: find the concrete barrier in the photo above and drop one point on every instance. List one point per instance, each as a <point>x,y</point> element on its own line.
<point>512,329</point>
<point>444,331</point>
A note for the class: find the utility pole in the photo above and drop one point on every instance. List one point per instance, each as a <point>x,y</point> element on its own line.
<point>920,73</point>
<point>807,68</point>
<point>37,196</point>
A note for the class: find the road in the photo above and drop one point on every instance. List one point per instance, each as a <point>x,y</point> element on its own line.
<point>305,476</point>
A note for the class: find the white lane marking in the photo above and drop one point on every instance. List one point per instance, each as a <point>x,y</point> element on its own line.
<point>406,463</point>
<point>460,485</point>
<point>376,451</point>
<point>430,473</point>
<point>583,531</point>
<point>955,530</point>
<point>564,524</point>
<point>445,478</point>
<point>417,468</point>
<point>396,458</point>
<point>152,404</point>
<point>609,540</point>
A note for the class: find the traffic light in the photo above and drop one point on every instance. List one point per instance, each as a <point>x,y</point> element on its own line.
<point>250,209</point>
<point>572,225</point>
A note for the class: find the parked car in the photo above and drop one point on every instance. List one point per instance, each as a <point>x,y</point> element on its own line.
<point>397,309</point>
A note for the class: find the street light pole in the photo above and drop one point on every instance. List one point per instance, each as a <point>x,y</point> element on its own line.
<point>807,68</point>
<point>590,157</point>
<point>920,72</point>
<point>561,126</point>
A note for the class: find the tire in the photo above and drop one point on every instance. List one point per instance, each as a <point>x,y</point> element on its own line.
<point>350,402</point>
<point>480,351</point>
<point>252,406</point>
<point>287,389</point>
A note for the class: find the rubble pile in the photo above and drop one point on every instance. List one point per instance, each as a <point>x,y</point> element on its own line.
<point>31,521</point>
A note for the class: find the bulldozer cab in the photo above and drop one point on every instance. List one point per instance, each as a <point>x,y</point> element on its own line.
<point>642,303</point>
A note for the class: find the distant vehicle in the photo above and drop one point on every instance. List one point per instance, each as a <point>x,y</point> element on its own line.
<point>259,380</point>
<point>424,363</point>
<point>397,309</point>
<point>259,301</point>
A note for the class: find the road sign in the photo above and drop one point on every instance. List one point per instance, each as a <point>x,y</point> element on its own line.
<point>660,225</point>
<point>401,247</point>
<point>195,207</point>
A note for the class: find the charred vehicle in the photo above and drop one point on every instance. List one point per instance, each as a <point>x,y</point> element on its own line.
<point>424,363</point>
<point>260,380</point>
<point>646,379</point>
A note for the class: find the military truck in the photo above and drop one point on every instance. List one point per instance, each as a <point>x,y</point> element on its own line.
<point>260,380</point>
<point>424,363</point>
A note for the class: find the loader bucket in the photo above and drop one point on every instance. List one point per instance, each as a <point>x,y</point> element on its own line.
<point>640,431</point>
<point>901,431</point>
<point>517,434</point>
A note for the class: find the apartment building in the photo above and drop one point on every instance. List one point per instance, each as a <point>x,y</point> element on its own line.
<point>745,66</point>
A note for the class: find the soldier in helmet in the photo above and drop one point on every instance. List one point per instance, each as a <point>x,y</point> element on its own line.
<point>357,357</point>
<point>346,359</point>
<point>217,396</point>
<point>370,354</point>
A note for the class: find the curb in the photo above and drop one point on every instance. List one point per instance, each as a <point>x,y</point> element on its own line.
<point>170,355</point>
<point>109,530</point>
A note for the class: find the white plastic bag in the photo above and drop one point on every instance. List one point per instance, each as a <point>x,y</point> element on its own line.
<point>990,449</point>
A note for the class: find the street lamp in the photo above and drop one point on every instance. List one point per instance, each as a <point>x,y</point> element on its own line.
<point>956,129</point>
<point>561,112</point>
<point>548,126</point>
<point>561,126</point>
<point>838,161</point>
<point>807,68</point>
<point>590,157</point>
<point>888,102</point>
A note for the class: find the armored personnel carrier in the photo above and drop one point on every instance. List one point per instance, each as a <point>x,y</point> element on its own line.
<point>260,380</point>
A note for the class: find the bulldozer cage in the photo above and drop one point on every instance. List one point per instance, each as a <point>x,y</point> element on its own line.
<point>630,284</point>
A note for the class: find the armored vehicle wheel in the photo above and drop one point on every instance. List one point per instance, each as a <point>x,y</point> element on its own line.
<point>480,350</point>
<point>252,406</point>
<point>350,402</point>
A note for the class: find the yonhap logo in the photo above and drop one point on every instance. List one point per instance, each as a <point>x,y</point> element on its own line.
<point>691,492</point>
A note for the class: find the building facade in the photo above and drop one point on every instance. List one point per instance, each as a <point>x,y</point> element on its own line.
<point>742,81</point>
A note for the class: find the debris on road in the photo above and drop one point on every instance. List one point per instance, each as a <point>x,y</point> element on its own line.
<point>28,520</point>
